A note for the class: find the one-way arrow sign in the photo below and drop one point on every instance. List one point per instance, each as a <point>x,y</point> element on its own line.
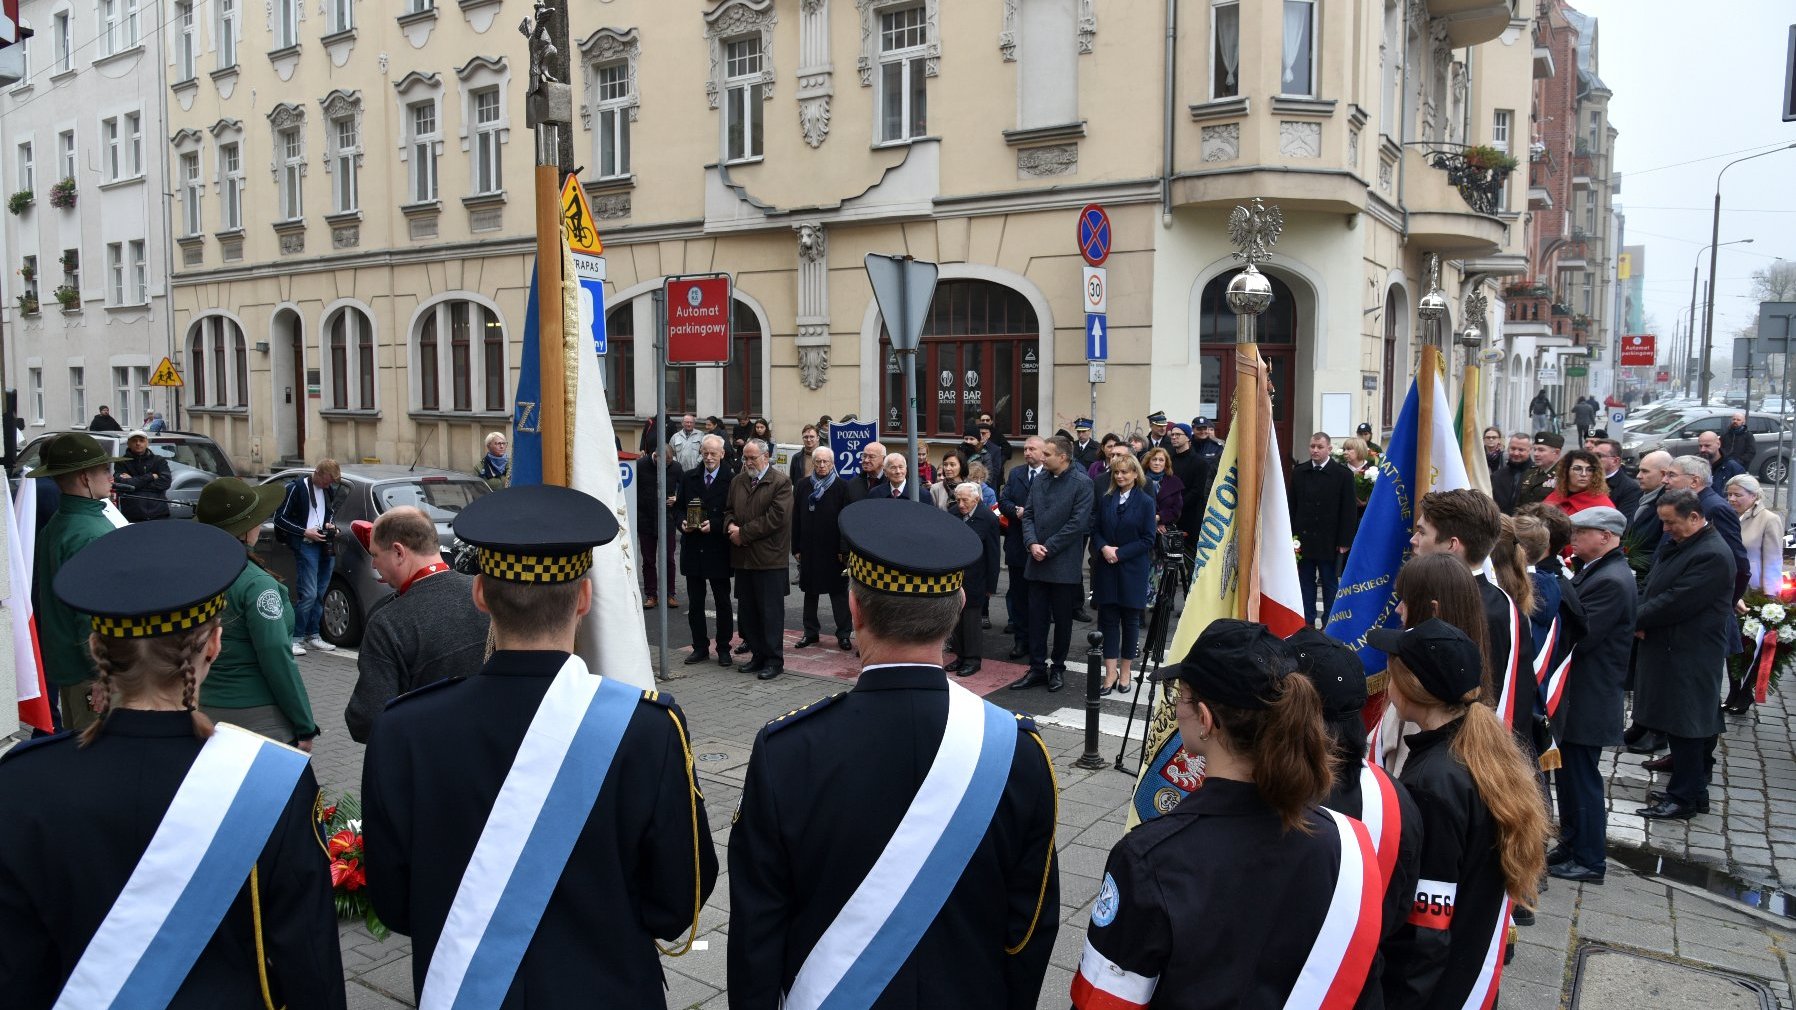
<point>1097,338</point>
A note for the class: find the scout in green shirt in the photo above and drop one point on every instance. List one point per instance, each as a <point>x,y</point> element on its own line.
<point>254,683</point>
<point>83,471</point>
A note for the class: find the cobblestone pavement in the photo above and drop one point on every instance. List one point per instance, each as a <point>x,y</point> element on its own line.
<point>1752,833</point>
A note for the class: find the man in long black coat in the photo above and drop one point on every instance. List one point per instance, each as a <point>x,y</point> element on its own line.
<point>1686,628</point>
<point>705,552</point>
<point>1324,518</point>
<point>1013,502</point>
<point>1589,717</point>
<point>1624,490</point>
<point>817,500</point>
<point>1506,477</point>
<point>977,579</point>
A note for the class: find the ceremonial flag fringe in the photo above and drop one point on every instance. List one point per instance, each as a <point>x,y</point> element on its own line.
<point>1424,454</point>
<point>1246,567</point>
<point>28,665</point>
<point>1471,433</point>
<point>610,639</point>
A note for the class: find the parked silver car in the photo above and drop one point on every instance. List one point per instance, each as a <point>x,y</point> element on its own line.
<point>1676,432</point>
<point>193,461</point>
<point>365,491</point>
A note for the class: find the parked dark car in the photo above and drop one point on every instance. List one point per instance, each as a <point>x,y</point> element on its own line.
<point>193,461</point>
<point>367,490</point>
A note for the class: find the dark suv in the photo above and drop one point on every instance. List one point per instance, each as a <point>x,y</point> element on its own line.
<point>193,460</point>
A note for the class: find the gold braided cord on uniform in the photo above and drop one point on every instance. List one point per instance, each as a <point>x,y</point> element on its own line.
<point>255,918</point>
<point>1048,865</point>
<point>534,567</point>
<point>318,824</point>
<point>692,799</point>
<point>156,625</point>
<point>874,575</point>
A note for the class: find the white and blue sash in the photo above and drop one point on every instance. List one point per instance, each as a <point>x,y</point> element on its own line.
<point>224,811</point>
<point>882,922</point>
<point>537,817</point>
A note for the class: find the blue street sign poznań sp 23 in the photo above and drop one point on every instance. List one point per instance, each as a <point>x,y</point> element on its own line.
<point>1097,338</point>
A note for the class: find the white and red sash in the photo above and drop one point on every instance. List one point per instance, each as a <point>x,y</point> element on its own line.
<point>1550,677</point>
<point>1506,690</point>
<point>1381,815</point>
<point>1483,995</point>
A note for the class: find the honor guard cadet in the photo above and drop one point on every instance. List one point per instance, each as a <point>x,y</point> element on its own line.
<point>895,844</point>
<point>154,859</point>
<point>535,828</point>
<point>1246,894</point>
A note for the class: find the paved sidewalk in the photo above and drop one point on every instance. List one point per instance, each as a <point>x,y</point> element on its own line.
<point>1678,924</point>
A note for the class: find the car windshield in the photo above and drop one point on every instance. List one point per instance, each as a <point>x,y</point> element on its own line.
<point>198,455</point>
<point>440,498</point>
<point>1661,425</point>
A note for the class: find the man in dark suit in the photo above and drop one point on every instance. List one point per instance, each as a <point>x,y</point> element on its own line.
<point>1644,531</point>
<point>1324,518</point>
<point>1156,431</point>
<point>872,473</point>
<point>1054,529</point>
<point>803,930</point>
<point>977,579</point>
<point>1685,622</point>
<point>1692,473</point>
<point>1506,477</point>
<point>705,550</point>
<point>1085,448</point>
<point>1589,717</point>
<point>817,503</point>
<point>1013,502</point>
<point>1624,491</point>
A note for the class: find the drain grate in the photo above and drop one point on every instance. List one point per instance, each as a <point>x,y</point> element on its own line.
<point>1611,978</point>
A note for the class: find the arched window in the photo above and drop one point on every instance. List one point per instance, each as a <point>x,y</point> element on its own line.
<point>980,354</point>
<point>1276,334</point>
<point>349,356</point>
<point>459,343</point>
<point>219,362</point>
<point>742,390</point>
<point>620,359</point>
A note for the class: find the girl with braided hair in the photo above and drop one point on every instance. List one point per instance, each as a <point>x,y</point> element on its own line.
<point>157,859</point>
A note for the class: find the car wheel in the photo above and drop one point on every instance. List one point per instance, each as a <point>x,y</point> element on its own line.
<point>1775,469</point>
<point>341,622</point>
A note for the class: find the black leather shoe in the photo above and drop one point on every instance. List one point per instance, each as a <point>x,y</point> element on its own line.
<point>1018,652</point>
<point>741,649</point>
<point>1034,678</point>
<point>805,642</point>
<point>1082,615</point>
<point>1056,679</point>
<point>986,623</point>
<point>1651,743</point>
<point>1009,628</point>
<point>1657,796</point>
<point>723,659</point>
<point>843,643</point>
<point>1122,688</point>
<point>771,671</point>
<point>968,668</point>
<point>1522,916</point>
<point>952,665</point>
<point>698,657</point>
<point>1560,854</point>
<point>1569,870</point>
<point>1658,764</point>
<point>753,666</point>
<point>1667,810</point>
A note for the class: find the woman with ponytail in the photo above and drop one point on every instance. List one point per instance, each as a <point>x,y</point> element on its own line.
<point>1223,899</point>
<point>1483,822</point>
<point>211,827</point>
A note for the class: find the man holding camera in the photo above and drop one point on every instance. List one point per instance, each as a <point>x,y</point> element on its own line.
<point>303,523</point>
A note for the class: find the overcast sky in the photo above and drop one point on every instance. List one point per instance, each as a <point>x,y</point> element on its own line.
<point>1694,89</point>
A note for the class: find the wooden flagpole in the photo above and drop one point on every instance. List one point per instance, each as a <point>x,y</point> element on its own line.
<point>549,111</point>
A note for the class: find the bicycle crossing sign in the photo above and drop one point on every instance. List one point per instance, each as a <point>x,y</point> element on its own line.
<point>576,217</point>
<point>166,375</point>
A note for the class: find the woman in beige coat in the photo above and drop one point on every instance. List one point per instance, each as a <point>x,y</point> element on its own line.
<point>1762,531</point>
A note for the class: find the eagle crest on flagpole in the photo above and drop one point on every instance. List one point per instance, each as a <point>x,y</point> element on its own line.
<point>1255,230</point>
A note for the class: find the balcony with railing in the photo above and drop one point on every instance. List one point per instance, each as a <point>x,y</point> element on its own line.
<point>1453,195</point>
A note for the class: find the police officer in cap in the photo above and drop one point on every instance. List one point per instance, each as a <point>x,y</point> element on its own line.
<point>1156,432</point>
<point>829,901</point>
<point>1362,789</point>
<point>535,827</point>
<point>211,827</point>
<point>1365,431</point>
<point>1204,441</point>
<point>1224,900</point>
<point>1086,449</point>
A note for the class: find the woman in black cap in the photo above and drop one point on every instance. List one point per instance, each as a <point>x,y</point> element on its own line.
<point>1483,821</point>
<point>255,683</point>
<point>1245,894</point>
<point>154,859</point>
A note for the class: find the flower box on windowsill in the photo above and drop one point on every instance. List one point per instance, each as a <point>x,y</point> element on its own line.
<point>28,305</point>
<point>62,195</point>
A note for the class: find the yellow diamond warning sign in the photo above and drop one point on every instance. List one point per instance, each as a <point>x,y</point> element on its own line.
<point>166,375</point>
<point>576,217</point>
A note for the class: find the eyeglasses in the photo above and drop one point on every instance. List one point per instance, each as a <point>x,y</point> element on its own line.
<point>1579,468</point>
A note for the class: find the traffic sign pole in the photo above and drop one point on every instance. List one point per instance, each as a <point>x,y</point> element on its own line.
<point>903,287</point>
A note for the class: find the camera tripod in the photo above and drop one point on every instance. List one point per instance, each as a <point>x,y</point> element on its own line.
<point>1170,586</point>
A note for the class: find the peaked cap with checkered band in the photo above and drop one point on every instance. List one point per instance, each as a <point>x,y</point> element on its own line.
<point>537,534</point>
<point>896,545</point>
<point>152,579</point>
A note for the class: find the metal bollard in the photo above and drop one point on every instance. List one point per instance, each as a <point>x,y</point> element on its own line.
<point>1094,682</point>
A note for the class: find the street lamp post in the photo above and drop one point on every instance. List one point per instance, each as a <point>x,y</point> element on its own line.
<point>1690,335</point>
<point>1708,325</point>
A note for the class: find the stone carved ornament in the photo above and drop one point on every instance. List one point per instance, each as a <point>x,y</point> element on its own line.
<point>813,366</point>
